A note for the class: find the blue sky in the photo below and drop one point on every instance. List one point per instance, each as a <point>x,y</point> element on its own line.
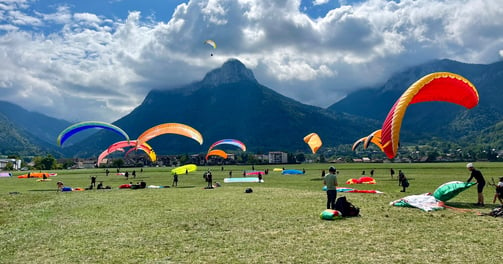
<point>97,59</point>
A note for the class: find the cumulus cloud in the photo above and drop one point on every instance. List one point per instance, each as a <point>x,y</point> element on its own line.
<point>96,67</point>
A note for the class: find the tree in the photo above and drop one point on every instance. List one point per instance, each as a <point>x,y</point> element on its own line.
<point>46,163</point>
<point>300,157</point>
<point>9,166</point>
<point>118,163</point>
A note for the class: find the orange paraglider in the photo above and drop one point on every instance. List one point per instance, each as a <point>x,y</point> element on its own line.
<point>439,86</point>
<point>358,142</point>
<point>374,137</point>
<point>216,152</point>
<point>314,141</point>
<point>170,128</point>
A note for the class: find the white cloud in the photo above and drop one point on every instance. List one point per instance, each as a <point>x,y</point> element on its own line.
<point>320,2</point>
<point>98,67</point>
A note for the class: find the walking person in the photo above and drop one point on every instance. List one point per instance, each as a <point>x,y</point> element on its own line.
<point>330,180</point>
<point>401,176</point>
<point>481,182</point>
<point>405,182</point>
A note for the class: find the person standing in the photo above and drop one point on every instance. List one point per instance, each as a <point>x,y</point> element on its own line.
<point>175,180</point>
<point>330,180</point>
<point>499,191</point>
<point>372,173</point>
<point>134,174</point>
<point>93,181</point>
<point>481,182</point>
<point>401,176</point>
<point>209,179</point>
<point>392,172</point>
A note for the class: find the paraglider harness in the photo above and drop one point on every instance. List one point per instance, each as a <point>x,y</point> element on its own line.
<point>346,208</point>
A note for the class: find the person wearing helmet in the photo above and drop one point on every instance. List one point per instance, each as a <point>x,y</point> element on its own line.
<point>481,182</point>
<point>330,180</point>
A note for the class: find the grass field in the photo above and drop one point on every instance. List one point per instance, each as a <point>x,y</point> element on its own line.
<point>277,223</point>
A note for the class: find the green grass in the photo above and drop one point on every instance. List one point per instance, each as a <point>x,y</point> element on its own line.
<point>277,223</point>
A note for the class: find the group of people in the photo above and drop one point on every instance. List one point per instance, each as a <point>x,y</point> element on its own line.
<point>330,181</point>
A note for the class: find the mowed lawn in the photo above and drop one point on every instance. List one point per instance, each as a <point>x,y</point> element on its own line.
<point>278,223</point>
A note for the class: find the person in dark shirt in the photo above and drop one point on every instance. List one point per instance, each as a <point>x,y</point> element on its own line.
<point>481,182</point>
<point>175,180</point>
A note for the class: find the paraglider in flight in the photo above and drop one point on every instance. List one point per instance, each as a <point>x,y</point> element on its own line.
<point>75,128</point>
<point>145,148</point>
<point>357,143</point>
<point>438,86</point>
<point>216,152</point>
<point>229,141</point>
<point>105,153</point>
<point>120,145</point>
<point>211,43</point>
<point>170,128</point>
<point>374,137</point>
<point>314,141</point>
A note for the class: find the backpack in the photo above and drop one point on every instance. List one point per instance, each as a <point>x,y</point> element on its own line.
<point>346,208</point>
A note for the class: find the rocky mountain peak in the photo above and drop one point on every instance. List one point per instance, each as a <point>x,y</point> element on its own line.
<point>231,71</point>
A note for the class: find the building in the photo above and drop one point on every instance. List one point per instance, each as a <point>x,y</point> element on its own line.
<point>278,157</point>
<point>15,162</point>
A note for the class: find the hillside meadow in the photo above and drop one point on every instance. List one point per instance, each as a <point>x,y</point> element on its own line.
<point>278,223</point>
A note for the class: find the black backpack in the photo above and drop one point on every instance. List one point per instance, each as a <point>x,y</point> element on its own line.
<point>346,208</point>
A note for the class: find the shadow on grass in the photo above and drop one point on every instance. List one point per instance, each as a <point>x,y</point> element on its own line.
<point>464,205</point>
<point>189,186</point>
<point>316,179</point>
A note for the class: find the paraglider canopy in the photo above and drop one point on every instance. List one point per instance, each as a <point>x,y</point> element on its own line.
<point>229,141</point>
<point>170,128</point>
<point>438,86</point>
<point>211,43</point>
<point>216,152</point>
<point>75,128</point>
<point>314,141</point>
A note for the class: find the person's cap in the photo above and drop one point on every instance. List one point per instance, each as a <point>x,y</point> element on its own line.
<point>469,165</point>
<point>332,168</point>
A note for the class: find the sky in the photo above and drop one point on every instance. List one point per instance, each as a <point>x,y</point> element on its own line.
<point>98,59</point>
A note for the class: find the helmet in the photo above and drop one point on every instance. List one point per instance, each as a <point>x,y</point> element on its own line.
<point>469,165</point>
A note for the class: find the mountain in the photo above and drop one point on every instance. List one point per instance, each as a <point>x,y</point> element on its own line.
<point>230,103</point>
<point>28,133</point>
<point>430,119</point>
<point>16,141</point>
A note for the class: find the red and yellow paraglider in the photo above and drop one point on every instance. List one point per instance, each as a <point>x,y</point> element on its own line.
<point>120,145</point>
<point>314,141</point>
<point>438,86</point>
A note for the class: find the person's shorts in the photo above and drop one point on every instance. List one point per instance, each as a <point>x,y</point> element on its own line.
<point>480,187</point>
